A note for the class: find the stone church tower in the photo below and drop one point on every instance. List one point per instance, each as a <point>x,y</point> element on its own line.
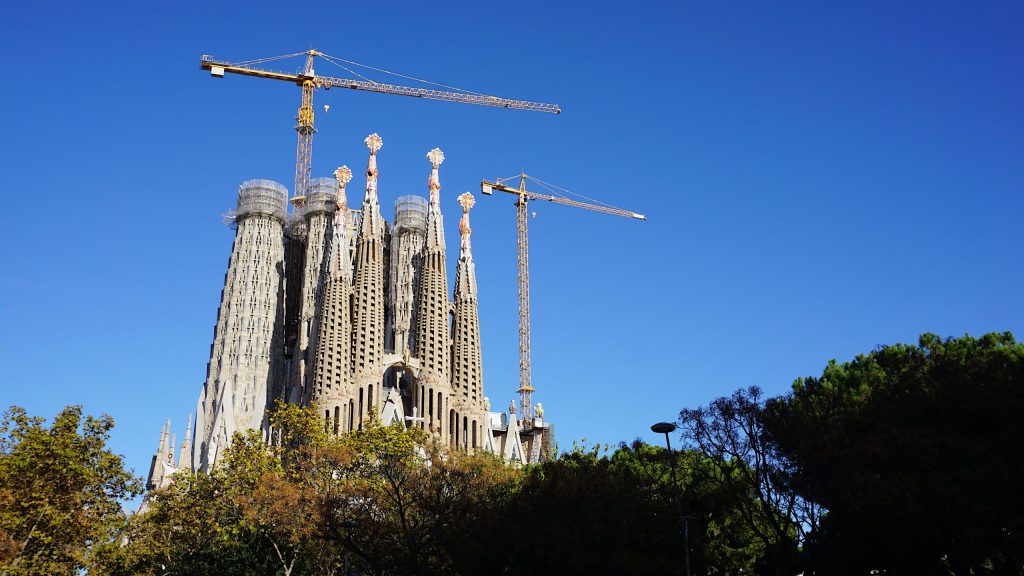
<point>433,343</point>
<point>333,308</point>
<point>467,363</point>
<point>245,359</point>
<point>333,373</point>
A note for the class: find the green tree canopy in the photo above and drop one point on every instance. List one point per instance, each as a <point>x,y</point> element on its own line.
<point>916,452</point>
<point>60,491</point>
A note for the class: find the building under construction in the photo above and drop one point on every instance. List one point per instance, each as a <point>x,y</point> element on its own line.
<point>338,309</point>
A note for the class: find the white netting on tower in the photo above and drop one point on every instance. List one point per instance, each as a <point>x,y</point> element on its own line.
<point>322,196</point>
<point>410,213</point>
<point>262,197</point>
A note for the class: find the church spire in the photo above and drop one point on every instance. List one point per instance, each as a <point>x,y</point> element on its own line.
<point>343,175</point>
<point>433,343</point>
<point>367,351</point>
<point>435,226</point>
<point>371,224</point>
<point>185,455</point>
<point>465,275</point>
<point>340,265</point>
<point>164,440</point>
<point>467,368</point>
<point>332,371</point>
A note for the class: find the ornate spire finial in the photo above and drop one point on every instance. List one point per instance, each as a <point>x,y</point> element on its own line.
<point>343,175</point>
<point>374,143</point>
<point>467,202</point>
<point>436,157</point>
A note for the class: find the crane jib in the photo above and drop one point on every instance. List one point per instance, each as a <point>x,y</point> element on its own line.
<point>218,69</point>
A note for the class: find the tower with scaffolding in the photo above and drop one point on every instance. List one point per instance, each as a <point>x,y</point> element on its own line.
<point>335,308</point>
<point>361,326</point>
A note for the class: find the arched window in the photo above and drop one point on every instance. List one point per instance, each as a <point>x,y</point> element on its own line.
<point>360,408</point>
<point>474,434</point>
<point>465,432</point>
<point>337,418</point>
<point>451,425</point>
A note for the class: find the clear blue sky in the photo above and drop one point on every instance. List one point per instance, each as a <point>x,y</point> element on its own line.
<point>821,178</point>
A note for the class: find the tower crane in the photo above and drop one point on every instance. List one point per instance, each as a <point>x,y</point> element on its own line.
<point>523,196</point>
<point>309,81</point>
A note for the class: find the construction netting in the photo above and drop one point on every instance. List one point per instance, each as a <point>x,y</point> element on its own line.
<point>410,213</point>
<point>264,197</point>
<point>322,196</point>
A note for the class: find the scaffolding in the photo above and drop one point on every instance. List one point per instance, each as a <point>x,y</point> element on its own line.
<point>262,197</point>
<point>410,214</point>
<point>407,238</point>
<point>322,196</point>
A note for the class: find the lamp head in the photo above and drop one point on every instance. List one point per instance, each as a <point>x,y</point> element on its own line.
<point>663,428</point>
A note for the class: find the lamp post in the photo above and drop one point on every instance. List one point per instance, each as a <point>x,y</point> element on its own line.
<point>667,428</point>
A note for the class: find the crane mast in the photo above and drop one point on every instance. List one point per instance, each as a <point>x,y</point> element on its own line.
<point>309,81</point>
<point>525,387</point>
<point>305,130</point>
<point>523,196</point>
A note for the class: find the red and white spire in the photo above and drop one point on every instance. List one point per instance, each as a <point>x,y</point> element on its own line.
<point>340,264</point>
<point>371,223</point>
<point>465,247</point>
<point>435,226</point>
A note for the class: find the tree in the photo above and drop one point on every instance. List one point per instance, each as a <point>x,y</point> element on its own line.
<point>405,502</point>
<point>60,491</point>
<point>720,541</point>
<point>916,452</point>
<point>742,460</point>
<point>586,512</point>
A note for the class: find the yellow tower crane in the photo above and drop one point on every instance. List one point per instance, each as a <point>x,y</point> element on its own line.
<point>309,81</point>
<point>523,196</point>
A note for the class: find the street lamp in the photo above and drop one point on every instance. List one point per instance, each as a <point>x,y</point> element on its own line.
<point>667,428</point>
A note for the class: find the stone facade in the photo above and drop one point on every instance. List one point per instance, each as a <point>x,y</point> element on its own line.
<point>335,309</point>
